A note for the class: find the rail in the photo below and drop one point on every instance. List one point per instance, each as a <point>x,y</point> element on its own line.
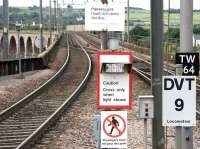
<point>38,132</point>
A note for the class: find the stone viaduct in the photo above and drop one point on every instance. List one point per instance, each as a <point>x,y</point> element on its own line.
<point>27,44</point>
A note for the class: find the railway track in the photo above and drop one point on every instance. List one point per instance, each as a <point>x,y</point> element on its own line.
<point>142,67</point>
<point>26,121</point>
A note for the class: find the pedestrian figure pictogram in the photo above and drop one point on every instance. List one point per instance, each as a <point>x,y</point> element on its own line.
<point>114,124</point>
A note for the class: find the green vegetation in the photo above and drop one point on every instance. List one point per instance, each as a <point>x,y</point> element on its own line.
<point>138,32</point>
<point>140,36</point>
<point>173,33</point>
<point>28,15</point>
<point>144,15</point>
<point>72,16</point>
<point>196,29</point>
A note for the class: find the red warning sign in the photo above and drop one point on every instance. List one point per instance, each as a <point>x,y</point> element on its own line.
<point>114,129</point>
<point>114,80</point>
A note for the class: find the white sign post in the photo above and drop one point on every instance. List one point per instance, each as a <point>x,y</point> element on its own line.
<point>179,101</point>
<point>104,17</point>
<point>114,129</point>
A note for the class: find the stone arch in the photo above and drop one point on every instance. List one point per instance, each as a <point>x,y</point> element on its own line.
<point>29,47</point>
<point>13,47</point>
<point>22,47</point>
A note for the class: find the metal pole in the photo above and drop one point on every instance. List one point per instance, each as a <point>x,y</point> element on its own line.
<point>104,38</point>
<point>145,133</point>
<point>128,23</point>
<point>186,33</point>
<point>61,19</point>
<point>98,131</point>
<point>41,27</point>
<point>157,71</point>
<point>5,30</point>
<point>57,18</point>
<point>167,51</point>
<point>55,21</point>
<point>184,135</point>
<point>50,21</point>
<point>168,27</point>
<point>113,42</point>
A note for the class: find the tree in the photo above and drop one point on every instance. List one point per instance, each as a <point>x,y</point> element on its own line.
<point>196,29</point>
<point>139,32</point>
<point>173,33</point>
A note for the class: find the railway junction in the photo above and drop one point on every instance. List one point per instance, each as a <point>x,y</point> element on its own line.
<point>67,89</point>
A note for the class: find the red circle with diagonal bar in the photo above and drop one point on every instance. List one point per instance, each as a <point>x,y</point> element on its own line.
<point>120,131</point>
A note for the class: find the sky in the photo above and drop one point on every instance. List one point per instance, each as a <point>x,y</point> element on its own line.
<point>135,3</point>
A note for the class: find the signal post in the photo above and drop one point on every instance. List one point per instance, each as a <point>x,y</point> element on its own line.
<point>157,71</point>
<point>184,135</point>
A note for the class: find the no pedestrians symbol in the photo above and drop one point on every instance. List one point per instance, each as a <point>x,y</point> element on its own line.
<point>114,129</point>
<point>114,126</point>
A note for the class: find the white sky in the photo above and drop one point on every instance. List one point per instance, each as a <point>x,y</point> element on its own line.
<point>135,3</point>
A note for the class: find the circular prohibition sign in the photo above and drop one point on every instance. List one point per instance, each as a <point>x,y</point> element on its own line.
<point>110,121</point>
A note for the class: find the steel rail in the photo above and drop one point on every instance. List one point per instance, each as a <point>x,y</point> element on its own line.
<point>40,130</point>
<point>53,117</point>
